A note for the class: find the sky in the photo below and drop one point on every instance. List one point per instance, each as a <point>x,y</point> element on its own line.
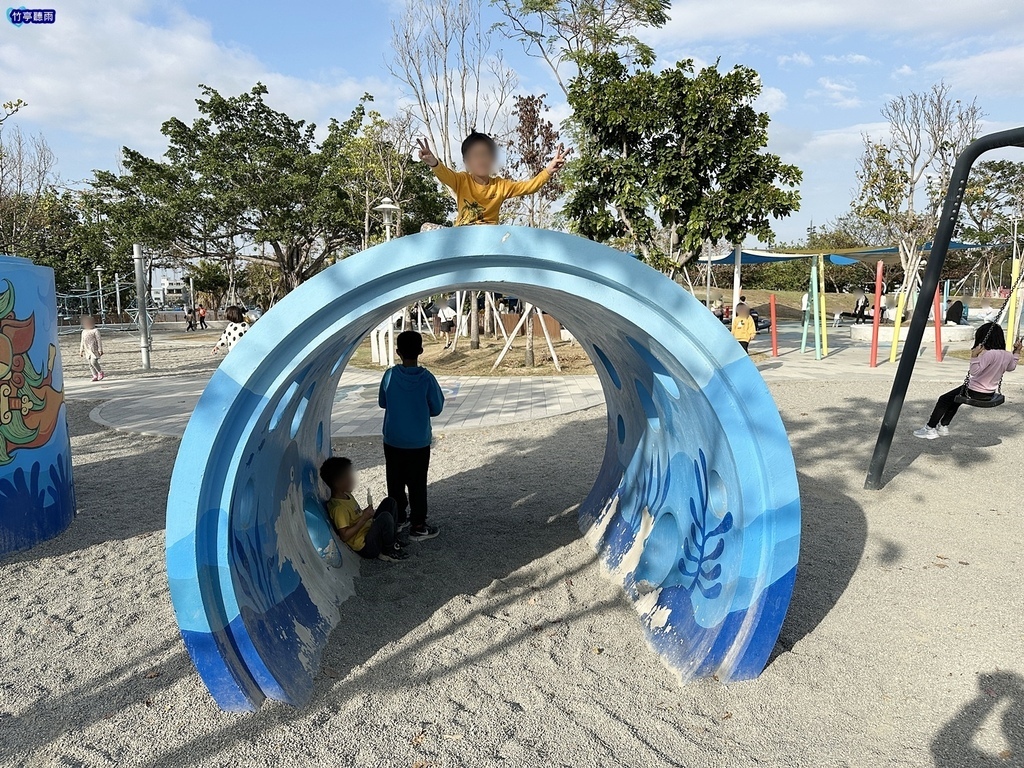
<point>106,75</point>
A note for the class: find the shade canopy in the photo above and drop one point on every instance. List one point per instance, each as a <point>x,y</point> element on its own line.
<point>840,256</point>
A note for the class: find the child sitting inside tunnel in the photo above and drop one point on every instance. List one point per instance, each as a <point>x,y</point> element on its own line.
<point>369,533</point>
<point>478,193</point>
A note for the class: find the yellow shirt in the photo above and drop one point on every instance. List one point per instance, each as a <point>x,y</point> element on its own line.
<point>343,513</point>
<point>744,328</point>
<point>480,203</point>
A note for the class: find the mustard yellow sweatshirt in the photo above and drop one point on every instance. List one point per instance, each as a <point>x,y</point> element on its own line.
<point>481,203</point>
<point>744,328</point>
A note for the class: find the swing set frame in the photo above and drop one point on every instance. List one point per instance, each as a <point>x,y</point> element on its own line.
<point>929,285</point>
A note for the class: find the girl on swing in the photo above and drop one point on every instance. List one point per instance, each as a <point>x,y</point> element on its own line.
<point>989,361</point>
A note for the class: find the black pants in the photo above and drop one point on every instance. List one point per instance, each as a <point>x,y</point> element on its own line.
<point>381,536</point>
<point>406,468</point>
<point>745,345</point>
<point>202,322</point>
<point>946,407</point>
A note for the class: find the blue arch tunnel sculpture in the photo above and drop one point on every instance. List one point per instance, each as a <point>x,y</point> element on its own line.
<point>695,510</point>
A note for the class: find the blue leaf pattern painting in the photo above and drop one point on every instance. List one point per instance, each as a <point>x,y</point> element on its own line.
<point>695,564</point>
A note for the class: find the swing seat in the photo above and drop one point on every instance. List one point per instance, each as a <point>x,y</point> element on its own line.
<point>996,400</point>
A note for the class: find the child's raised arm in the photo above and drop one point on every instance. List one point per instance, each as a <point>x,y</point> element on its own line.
<point>443,173</point>
<point>522,188</point>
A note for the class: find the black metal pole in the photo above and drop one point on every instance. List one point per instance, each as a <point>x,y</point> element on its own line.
<point>929,284</point>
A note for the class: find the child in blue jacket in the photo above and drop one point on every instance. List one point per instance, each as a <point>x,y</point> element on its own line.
<point>410,397</point>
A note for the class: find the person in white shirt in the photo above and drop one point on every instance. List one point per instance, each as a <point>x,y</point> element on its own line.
<point>91,347</point>
<point>236,329</point>
<point>446,317</point>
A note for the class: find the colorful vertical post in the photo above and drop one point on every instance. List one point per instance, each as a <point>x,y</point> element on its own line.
<point>937,302</point>
<point>823,313</point>
<point>775,326</point>
<point>877,319</point>
<point>1011,317</point>
<point>900,304</point>
<point>818,320</point>
<point>806,312</point>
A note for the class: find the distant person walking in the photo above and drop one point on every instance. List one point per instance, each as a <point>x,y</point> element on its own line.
<point>744,328</point>
<point>202,317</point>
<point>190,319</point>
<point>860,307</point>
<point>91,347</point>
<point>446,317</point>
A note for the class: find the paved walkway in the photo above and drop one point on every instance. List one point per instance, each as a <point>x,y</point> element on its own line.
<point>161,405</point>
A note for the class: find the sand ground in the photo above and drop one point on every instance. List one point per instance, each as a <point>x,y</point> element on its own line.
<point>500,643</point>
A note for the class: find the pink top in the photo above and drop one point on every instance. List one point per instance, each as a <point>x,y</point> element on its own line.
<point>988,368</point>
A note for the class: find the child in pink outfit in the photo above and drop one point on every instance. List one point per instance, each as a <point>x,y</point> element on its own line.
<point>989,361</point>
<point>91,347</point>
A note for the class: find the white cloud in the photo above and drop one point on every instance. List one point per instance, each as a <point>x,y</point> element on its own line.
<point>704,20</point>
<point>771,100</point>
<point>850,58</point>
<point>995,72</point>
<point>828,159</point>
<point>800,58</point>
<point>839,93</point>
<point>904,71</point>
<point>120,77</point>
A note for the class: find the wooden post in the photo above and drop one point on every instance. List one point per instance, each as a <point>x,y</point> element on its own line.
<point>937,303</point>
<point>528,357</point>
<point>775,326</point>
<point>877,319</point>
<point>496,316</point>
<point>474,320</point>
<point>547,337</point>
<point>510,339</point>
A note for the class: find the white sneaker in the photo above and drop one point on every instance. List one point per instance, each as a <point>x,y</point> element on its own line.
<point>926,433</point>
<point>943,430</point>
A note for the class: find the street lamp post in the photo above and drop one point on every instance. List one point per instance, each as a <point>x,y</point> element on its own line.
<point>389,214</point>
<point>99,278</point>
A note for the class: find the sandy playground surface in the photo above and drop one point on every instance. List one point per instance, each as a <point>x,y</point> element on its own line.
<point>500,643</point>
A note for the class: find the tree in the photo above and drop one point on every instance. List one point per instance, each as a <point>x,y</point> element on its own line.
<point>993,200</point>
<point>443,57</point>
<point>10,108</point>
<point>533,143</point>
<point>240,176</point>
<point>561,31</point>
<point>927,132</point>
<point>210,278</point>
<point>673,150</point>
<point>26,178</point>
<point>381,165</point>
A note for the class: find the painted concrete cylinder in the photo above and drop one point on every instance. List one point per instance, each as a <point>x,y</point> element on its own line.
<point>695,511</point>
<point>37,496</point>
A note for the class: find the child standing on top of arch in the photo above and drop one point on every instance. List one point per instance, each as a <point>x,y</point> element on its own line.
<point>478,192</point>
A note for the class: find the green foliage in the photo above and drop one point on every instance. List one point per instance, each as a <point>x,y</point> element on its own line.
<point>571,30</point>
<point>676,150</point>
<point>211,280</point>
<point>241,175</point>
